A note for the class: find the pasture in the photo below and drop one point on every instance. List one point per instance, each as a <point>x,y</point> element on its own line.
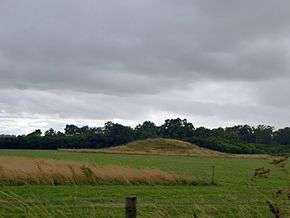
<point>237,193</point>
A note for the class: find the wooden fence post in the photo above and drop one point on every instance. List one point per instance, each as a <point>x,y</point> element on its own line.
<point>131,211</point>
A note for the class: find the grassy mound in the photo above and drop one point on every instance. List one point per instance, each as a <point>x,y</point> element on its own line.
<point>162,146</point>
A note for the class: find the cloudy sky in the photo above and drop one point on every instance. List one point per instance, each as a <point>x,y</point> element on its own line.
<point>214,62</point>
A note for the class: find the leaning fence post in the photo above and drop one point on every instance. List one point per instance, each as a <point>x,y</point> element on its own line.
<point>131,210</point>
<point>212,174</point>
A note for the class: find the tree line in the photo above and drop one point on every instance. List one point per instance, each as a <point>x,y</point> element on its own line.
<point>237,139</point>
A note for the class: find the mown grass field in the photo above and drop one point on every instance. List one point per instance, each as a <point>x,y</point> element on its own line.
<point>236,194</point>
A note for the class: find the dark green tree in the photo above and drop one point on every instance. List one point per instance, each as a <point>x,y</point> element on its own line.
<point>72,130</point>
<point>145,130</point>
<point>37,133</point>
<point>50,132</point>
<point>264,134</point>
<point>117,134</point>
<point>282,136</point>
<point>177,128</point>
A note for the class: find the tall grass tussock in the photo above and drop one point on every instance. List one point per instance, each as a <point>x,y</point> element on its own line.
<point>22,171</point>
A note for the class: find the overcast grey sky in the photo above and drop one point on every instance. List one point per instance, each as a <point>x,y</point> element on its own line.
<point>214,62</point>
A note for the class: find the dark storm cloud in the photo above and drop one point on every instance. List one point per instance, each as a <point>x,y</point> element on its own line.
<point>127,59</point>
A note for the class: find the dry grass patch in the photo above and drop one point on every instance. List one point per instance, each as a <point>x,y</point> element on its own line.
<point>21,171</point>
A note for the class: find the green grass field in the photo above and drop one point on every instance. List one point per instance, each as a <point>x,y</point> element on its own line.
<point>235,195</point>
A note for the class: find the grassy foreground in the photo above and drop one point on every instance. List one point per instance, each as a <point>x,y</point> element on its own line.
<point>237,193</point>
